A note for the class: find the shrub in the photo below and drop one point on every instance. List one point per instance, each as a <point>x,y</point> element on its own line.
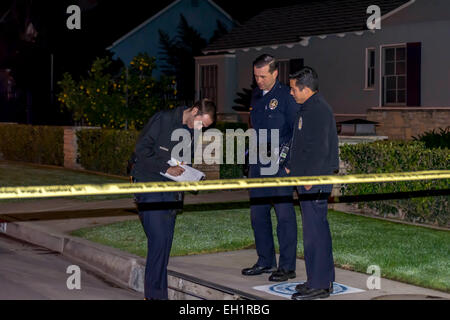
<point>230,171</point>
<point>106,150</point>
<point>36,144</point>
<point>117,101</point>
<point>390,157</point>
<point>434,140</point>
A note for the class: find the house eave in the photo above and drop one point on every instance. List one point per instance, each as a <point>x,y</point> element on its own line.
<point>305,40</point>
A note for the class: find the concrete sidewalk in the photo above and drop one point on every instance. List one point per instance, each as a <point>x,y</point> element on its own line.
<point>215,276</point>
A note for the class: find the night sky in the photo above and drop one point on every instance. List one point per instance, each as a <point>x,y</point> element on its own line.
<point>103,22</point>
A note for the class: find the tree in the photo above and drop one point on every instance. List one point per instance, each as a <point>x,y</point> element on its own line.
<point>116,100</point>
<point>179,54</point>
<point>220,31</point>
<point>245,99</point>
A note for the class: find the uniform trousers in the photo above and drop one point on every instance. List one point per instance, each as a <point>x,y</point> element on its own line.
<point>158,220</point>
<point>286,231</point>
<point>317,241</point>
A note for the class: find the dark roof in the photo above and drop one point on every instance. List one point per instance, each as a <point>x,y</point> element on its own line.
<point>288,25</point>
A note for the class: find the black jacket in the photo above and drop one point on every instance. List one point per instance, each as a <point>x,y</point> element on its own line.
<point>315,146</point>
<point>154,146</point>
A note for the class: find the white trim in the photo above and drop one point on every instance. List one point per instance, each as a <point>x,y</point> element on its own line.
<point>382,47</point>
<point>322,36</point>
<point>215,56</point>
<point>380,101</point>
<point>244,49</point>
<point>142,25</point>
<point>304,42</point>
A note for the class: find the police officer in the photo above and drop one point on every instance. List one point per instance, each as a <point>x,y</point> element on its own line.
<point>157,211</point>
<point>273,108</point>
<point>314,152</point>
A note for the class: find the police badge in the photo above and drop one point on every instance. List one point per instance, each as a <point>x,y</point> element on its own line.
<point>273,104</point>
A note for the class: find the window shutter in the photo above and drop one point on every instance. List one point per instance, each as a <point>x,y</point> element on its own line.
<point>414,74</point>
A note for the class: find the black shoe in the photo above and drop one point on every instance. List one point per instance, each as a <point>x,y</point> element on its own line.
<point>305,293</point>
<point>301,287</point>
<point>282,275</point>
<point>257,270</point>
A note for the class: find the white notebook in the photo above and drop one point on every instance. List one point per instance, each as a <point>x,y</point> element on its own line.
<point>190,174</point>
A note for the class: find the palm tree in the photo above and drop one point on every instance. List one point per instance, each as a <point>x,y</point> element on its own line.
<point>245,99</point>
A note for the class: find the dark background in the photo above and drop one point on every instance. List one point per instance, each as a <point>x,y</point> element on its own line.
<point>103,22</point>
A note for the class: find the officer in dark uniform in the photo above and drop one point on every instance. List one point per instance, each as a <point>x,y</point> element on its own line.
<point>315,152</point>
<point>273,108</point>
<point>157,211</point>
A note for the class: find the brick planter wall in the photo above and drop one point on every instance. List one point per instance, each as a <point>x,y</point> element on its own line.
<point>405,123</point>
<point>71,149</point>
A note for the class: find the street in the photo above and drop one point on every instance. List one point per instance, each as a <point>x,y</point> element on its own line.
<point>33,273</point>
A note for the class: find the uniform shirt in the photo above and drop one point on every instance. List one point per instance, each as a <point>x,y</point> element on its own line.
<point>315,148</point>
<point>275,110</point>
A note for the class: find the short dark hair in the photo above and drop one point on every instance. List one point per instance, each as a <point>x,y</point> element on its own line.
<point>306,77</point>
<point>266,60</point>
<point>206,106</point>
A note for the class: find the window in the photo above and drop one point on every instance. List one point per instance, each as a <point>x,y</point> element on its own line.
<point>283,72</point>
<point>208,82</point>
<point>394,79</point>
<point>370,68</point>
<point>286,67</point>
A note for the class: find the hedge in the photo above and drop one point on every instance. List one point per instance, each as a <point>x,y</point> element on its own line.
<point>106,151</point>
<point>36,144</point>
<point>109,150</point>
<point>391,156</point>
<point>230,171</point>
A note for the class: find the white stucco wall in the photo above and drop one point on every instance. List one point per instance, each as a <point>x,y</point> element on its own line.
<point>341,62</point>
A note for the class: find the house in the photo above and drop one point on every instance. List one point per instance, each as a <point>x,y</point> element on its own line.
<point>202,15</point>
<point>397,76</point>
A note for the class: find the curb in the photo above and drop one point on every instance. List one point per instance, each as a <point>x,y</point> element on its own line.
<point>117,266</point>
<point>121,268</point>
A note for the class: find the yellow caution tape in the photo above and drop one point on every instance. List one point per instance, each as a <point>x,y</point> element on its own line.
<point>116,189</point>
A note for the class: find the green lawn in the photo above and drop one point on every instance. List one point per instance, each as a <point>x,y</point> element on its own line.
<point>20,174</point>
<point>406,253</point>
